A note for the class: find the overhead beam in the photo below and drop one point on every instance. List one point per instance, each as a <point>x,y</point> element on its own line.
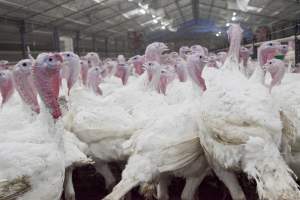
<point>99,21</point>
<point>56,21</point>
<point>246,13</point>
<point>20,8</point>
<point>123,22</point>
<point>48,9</point>
<point>195,9</point>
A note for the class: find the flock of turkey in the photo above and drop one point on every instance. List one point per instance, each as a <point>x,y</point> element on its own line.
<point>172,114</point>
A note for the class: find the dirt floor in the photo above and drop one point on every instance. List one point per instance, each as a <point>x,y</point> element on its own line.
<point>90,186</point>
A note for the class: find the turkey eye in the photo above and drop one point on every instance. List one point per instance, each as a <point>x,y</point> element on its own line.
<point>200,57</point>
<point>68,55</point>
<point>271,44</point>
<point>50,59</point>
<point>24,64</point>
<point>270,63</point>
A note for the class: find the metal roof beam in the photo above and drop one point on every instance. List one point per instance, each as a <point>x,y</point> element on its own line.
<point>72,14</point>
<point>247,13</point>
<point>20,8</point>
<point>48,9</point>
<point>99,21</point>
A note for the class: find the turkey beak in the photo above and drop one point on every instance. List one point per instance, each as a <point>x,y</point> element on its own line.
<point>59,57</point>
<point>205,60</point>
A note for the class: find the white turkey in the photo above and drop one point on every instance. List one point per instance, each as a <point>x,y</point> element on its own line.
<point>241,127</point>
<point>32,158</point>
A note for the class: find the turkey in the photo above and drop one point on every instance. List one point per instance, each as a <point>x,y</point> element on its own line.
<point>286,93</point>
<point>6,85</point>
<point>74,149</point>
<point>137,62</point>
<point>24,84</point>
<point>168,146</point>
<point>241,127</point>
<point>72,69</point>
<point>32,158</point>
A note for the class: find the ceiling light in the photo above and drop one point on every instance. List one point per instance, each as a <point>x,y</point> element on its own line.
<point>155,21</point>
<point>217,35</point>
<point>98,1</point>
<point>146,6</point>
<point>142,11</point>
<point>233,18</point>
<point>219,32</point>
<point>130,0</point>
<point>227,24</point>
<point>153,16</point>
<point>163,27</point>
<point>234,13</point>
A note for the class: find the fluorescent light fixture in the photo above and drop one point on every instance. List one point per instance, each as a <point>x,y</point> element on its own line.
<point>172,29</point>
<point>155,21</point>
<point>227,24</point>
<point>146,6</point>
<point>132,13</point>
<point>142,11</point>
<point>253,8</point>
<point>233,18</point>
<point>234,13</point>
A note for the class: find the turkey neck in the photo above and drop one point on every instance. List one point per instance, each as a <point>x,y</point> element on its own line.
<point>258,75</point>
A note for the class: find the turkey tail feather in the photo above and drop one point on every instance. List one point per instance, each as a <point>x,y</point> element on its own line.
<point>273,177</point>
<point>11,190</point>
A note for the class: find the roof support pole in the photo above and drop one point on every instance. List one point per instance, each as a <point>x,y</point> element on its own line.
<point>195,9</point>
<point>106,47</point>
<point>297,42</point>
<point>76,42</point>
<point>94,43</point>
<point>55,38</point>
<point>23,38</point>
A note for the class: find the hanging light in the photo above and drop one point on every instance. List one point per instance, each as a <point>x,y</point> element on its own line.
<point>163,27</point>
<point>155,21</point>
<point>234,13</point>
<point>153,16</point>
<point>219,32</point>
<point>217,35</point>
<point>233,18</point>
<point>142,11</point>
<point>227,24</point>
